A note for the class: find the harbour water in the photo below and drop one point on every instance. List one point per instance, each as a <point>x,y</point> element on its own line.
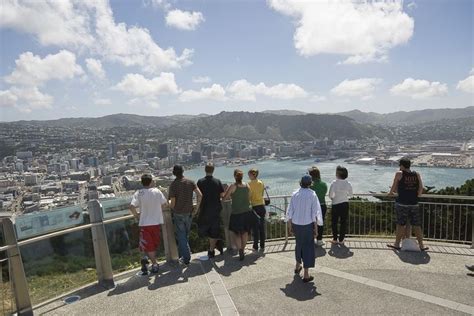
<point>282,176</point>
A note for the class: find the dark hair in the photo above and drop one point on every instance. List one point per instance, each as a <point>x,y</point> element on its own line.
<point>314,173</point>
<point>178,171</point>
<point>209,168</point>
<point>342,172</point>
<point>254,171</point>
<point>305,182</point>
<point>238,176</point>
<point>146,180</point>
<point>405,162</point>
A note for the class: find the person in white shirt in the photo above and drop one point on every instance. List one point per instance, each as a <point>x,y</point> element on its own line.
<point>149,201</point>
<point>339,193</point>
<point>303,214</point>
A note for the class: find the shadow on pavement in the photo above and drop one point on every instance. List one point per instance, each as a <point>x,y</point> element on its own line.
<point>340,252</point>
<point>320,252</point>
<point>413,257</point>
<point>232,263</point>
<point>167,276</point>
<point>300,291</point>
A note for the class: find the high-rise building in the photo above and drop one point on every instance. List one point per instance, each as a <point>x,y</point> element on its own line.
<point>163,150</point>
<point>75,162</point>
<point>24,155</point>
<point>196,157</point>
<point>112,150</point>
<point>31,179</point>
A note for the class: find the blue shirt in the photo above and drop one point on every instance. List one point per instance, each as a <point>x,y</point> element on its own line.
<point>304,208</point>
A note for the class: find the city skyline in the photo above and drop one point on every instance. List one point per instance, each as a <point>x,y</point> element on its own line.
<point>159,57</point>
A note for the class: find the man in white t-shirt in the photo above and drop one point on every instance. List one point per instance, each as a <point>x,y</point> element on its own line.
<point>149,201</point>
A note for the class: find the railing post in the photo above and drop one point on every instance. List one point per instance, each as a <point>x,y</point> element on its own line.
<point>169,240</point>
<point>17,271</point>
<point>225,217</point>
<point>472,230</point>
<point>286,222</point>
<point>103,263</point>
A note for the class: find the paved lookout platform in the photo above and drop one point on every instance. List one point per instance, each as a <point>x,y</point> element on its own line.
<point>363,278</point>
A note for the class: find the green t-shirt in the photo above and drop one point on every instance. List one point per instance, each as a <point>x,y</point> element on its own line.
<point>321,188</point>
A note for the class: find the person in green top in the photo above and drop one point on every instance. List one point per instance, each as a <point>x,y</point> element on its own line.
<point>241,218</point>
<point>321,189</point>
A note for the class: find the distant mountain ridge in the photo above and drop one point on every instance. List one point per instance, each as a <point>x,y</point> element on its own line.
<point>253,126</point>
<point>112,120</point>
<point>411,117</point>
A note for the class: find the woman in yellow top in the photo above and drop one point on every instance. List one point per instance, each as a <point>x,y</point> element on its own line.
<point>257,189</point>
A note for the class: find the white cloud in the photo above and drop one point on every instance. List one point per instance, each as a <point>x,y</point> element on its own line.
<point>7,98</point>
<point>138,85</point>
<point>201,79</point>
<point>90,25</point>
<point>94,67</point>
<point>246,91</point>
<point>364,30</point>
<point>362,88</point>
<point>184,20</point>
<point>164,4</point>
<point>419,89</point>
<point>317,98</point>
<point>60,23</point>
<point>102,101</point>
<point>412,6</point>
<point>30,98</point>
<point>215,92</point>
<point>467,85</point>
<point>146,101</point>
<point>33,70</point>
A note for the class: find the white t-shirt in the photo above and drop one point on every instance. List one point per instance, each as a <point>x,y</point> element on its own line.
<point>149,202</point>
<point>340,191</point>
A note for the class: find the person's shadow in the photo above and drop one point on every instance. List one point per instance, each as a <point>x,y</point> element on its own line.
<point>300,291</point>
<point>413,257</point>
<point>319,252</point>
<point>232,264</point>
<point>340,251</point>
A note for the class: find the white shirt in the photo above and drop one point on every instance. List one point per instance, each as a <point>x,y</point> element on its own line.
<point>304,208</point>
<point>149,201</point>
<point>340,191</point>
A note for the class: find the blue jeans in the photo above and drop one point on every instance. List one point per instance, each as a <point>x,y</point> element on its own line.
<point>182,226</point>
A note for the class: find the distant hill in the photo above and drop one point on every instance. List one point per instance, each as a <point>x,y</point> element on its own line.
<point>110,121</point>
<point>411,117</point>
<point>246,125</point>
<point>285,112</point>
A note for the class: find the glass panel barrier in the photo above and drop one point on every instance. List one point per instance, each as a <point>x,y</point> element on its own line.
<point>59,264</point>
<point>7,301</point>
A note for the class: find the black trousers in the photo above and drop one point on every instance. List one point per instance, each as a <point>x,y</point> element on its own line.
<point>339,211</point>
<point>258,230</point>
<point>324,208</point>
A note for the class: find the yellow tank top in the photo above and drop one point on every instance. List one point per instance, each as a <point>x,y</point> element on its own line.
<point>256,192</point>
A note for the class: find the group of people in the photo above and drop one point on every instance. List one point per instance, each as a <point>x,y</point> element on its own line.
<point>248,213</point>
<point>305,214</point>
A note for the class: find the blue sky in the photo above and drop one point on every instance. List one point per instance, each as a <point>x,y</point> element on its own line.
<point>159,57</point>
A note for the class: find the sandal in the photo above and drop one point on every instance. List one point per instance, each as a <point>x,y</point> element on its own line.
<point>308,279</point>
<point>393,247</point>
<point>297,271</point>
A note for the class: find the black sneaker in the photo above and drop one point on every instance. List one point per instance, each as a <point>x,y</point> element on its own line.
<point>241,255</point>
<point>220,246</point>
<point>211,254</point>
<point>144,263</point>
<point>470,268</point>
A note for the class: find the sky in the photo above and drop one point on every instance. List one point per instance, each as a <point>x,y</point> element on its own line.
<point>90,58</point>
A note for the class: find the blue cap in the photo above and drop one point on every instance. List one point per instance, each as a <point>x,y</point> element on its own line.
<point>306,180</point>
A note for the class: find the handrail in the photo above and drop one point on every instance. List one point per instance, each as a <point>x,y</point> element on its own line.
<point>125,217</point>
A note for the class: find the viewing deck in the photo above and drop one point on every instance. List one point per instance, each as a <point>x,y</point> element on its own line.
<point>364,278</point>
<point>96,258</point>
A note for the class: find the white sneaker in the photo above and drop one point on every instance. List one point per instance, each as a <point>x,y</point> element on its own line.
<point>319,243</point>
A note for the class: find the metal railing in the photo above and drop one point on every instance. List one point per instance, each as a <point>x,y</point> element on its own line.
<point>369,215</point>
